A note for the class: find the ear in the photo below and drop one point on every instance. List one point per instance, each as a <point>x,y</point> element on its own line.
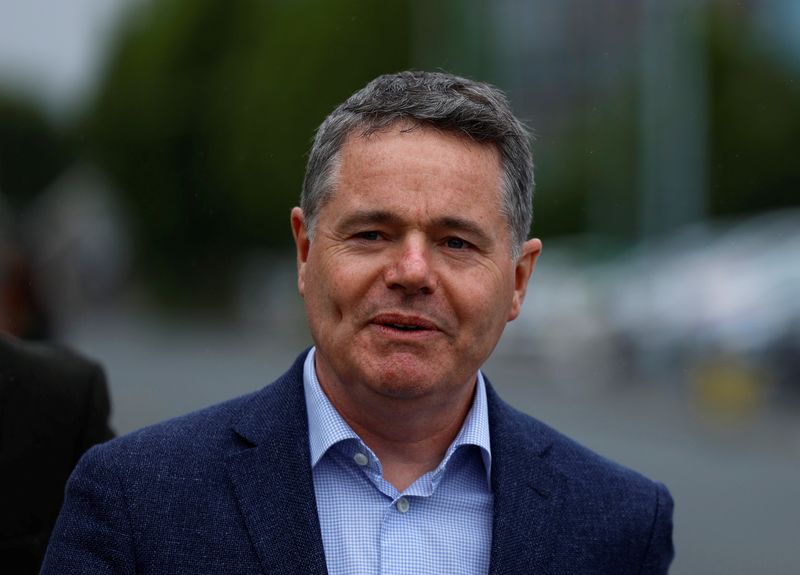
<point>522,273</point>
<point>302,245</point>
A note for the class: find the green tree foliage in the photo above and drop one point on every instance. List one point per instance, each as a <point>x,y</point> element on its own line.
<point>206,114</point>
<point>754,121</point>
<point>32,151</point>
<point>588,171</point>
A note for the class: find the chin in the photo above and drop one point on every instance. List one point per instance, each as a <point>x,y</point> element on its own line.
<point>405,379</point>
<point>402,392</point>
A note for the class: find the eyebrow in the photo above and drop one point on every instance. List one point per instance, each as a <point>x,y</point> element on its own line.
<point>370,217</point>
<point>463,225</point>
<point>366,217</point>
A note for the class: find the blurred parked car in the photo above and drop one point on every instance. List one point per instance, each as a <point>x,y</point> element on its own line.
<point>671,308</point>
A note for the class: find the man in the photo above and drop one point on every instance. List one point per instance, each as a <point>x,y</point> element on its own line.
<point>383,449</point>
<point>53,407</point>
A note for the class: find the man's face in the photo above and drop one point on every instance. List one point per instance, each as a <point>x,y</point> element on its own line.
<point>409,282</point>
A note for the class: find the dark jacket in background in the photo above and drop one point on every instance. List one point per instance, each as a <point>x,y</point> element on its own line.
<point>54,406</point>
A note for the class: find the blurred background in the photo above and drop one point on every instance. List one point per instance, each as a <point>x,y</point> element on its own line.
<point>150,153</point>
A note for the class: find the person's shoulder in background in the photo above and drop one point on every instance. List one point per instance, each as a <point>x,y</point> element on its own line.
<point>54,405</point>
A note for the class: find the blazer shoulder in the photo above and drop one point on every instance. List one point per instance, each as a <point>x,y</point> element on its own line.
<point>181,439</point>
<point>585,471</point>
<point>206,436</point>
<point>617,515</point>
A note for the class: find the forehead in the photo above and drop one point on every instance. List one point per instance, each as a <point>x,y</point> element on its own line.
<point>419,166</point>
<point>404,136</point>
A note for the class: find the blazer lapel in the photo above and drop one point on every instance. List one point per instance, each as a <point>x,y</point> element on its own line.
<point>271,477</point>
<point>528,492</point>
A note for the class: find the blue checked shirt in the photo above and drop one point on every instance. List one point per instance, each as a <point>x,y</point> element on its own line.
<point>442,523</point>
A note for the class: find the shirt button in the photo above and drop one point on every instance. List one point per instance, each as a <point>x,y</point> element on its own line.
<point>361,459</point>
<point>403,505</point>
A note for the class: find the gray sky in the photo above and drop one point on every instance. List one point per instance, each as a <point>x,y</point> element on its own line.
<point>52,49</point>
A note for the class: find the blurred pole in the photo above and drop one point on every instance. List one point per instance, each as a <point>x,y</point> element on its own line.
<point>673,128</point>
<point>673,116</point>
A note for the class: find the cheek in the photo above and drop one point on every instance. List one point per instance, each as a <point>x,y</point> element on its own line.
<point>486,301</point>
<point>340,289</point>
<point>318,288</point>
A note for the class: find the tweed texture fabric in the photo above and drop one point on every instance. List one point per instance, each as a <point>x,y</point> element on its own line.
<point>229,490</point>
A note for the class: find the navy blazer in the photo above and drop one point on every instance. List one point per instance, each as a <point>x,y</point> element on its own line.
<point>228,490</point>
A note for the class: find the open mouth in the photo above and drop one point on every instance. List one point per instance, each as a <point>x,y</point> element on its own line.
<point>403,327</point>
<point>403,323</point>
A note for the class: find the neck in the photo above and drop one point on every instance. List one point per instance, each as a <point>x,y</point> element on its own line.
<point>409,436</point>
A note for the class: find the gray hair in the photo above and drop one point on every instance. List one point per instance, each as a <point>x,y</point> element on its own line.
<point>447,102</point>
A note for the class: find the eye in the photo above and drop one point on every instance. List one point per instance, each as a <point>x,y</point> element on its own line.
<point>369,235</point>
<point>456,243</point>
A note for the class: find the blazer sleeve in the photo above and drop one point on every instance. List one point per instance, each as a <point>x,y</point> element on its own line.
<point>93,532</point>
<point>660,550</point>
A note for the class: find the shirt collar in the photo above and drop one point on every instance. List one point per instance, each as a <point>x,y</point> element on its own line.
<point>326,427</point>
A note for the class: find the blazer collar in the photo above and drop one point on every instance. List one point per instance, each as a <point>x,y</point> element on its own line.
<point>271,475</point>
<point>270,471</point>
<point>528,491</point>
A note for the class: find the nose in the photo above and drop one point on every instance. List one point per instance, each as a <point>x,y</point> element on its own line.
<point>411,268</point>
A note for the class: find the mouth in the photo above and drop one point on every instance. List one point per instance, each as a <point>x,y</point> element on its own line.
<point>404,323</point>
